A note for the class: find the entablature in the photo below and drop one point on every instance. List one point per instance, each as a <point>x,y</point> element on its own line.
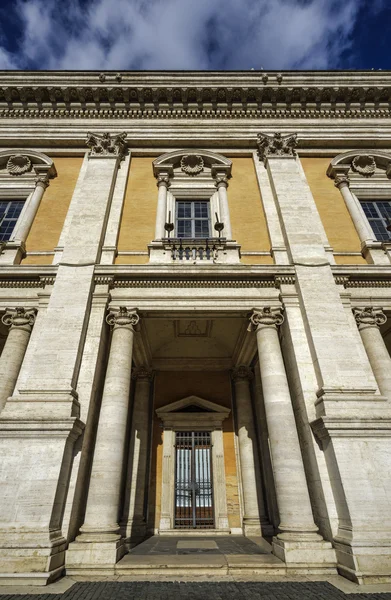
<point>206,95</point>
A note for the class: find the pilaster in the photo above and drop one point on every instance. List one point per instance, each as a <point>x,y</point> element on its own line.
<point>46,397</point>
<point>347,397</point>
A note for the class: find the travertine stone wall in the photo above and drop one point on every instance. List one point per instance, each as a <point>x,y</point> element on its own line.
<point>48,223</point>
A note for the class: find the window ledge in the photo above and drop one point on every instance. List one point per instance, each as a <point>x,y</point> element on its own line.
<point>194,251</point>
<point>12,252</point>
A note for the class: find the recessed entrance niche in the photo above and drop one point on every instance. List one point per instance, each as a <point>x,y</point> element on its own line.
<point>193,481</point>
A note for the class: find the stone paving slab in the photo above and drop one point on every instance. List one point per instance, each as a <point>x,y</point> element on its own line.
<point>234,590</point>
<point>233,544</point>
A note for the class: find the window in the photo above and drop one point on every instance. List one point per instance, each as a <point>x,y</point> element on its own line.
<point>192,219</point>
<point>378,214</point>
<point>9,214</point>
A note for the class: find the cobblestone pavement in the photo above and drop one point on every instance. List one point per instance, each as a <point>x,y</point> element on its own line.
<point>145,590</point>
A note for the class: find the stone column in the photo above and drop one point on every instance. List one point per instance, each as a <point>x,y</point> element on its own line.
<point>368,320</point>
<point>23,229</point>
<point>138,454</point>
<point>254,516</point>
<point>222,185</point>
<point>298,531</point>
<point>101,530</point>
<point>20,322</point>
<point>163,182</point>
<point>363,228</point>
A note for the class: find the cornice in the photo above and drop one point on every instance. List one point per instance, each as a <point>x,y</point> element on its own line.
<point>195,95</point>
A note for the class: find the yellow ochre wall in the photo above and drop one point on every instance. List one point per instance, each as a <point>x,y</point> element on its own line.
<point>139,214</point>
<point>48,223</point>
<point>213,386</point>
<point>248,220</point>
<point>336,219</point>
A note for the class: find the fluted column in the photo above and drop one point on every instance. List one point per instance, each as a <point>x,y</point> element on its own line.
<point>103,504</point>
<point>298,531</point>
<point>163,182</point>
<point>254,518</point>
<point>23,228</point>
<point>222,185</point>
<point>20,322</point>
<point>138,453</point>
<point>368,320</point>
<point>364,230</point>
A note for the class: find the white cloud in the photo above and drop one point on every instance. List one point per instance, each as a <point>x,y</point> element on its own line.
<point>182,34</point>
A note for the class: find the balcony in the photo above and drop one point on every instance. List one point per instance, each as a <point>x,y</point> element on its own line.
<point>194,251</point>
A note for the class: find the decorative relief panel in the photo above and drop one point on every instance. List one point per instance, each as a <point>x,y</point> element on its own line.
<point>364,164</point>
<point>18,164</point>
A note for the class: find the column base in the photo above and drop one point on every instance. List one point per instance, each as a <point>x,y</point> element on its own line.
<point>306,555</point>
<point>369,564</point>
<point>23,562</point>
<point>253,527</point>
<point>89,551</point>
<point>136,533</point>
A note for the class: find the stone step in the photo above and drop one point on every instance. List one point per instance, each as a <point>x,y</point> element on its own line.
<point>201,564</point>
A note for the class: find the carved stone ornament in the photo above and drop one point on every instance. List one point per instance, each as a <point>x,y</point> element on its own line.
<point>18,164</point>
<point>142,373</point>
<point>19,317</point>
<point>242,373</point>
<point>341,180</point>
<point>192,164</point>
<point>163,179</point>
<point>276,145</point>
<point>369,316</point>
<point>122,317</point>
<point>106,145</point>
<point>364,164</point>
<point>42,180</point>
<point>267,316</point>
<point>221,180</point>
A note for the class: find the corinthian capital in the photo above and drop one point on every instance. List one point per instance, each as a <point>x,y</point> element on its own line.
<point>105,145</point>
<point>142,373</point>
<point>163,179</point>
<point>19,317</point>
<point>221,180</point>
<point>276,145</point>
<point>122,317</point>
<point>341,180</point>
<point>369,316</point>
<point>242,373</point>
<point>42,181</point>
<point>267,316</point>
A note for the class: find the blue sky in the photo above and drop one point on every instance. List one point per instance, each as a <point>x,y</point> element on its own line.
<point>195,34</point>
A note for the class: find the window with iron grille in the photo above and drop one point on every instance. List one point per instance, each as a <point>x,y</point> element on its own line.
<point>378,214</point>
<point>9,214</point>
<point>192,219</point>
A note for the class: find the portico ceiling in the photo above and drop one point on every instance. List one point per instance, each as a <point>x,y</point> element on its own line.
<point>194,343</point>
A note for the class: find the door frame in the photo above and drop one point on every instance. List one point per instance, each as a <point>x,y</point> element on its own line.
<point>211,420</point>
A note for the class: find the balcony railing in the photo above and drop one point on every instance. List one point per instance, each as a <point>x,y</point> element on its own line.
<point>186,249</point>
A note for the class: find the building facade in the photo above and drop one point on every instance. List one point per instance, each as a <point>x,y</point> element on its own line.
<point>195,280</point>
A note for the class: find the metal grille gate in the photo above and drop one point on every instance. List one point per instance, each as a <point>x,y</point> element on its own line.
<point>193,480</point>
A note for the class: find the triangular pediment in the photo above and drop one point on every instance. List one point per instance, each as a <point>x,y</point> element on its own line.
<point>192,404</point>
